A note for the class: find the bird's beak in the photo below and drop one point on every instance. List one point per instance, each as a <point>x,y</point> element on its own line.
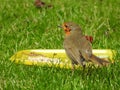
<point>59,26</point>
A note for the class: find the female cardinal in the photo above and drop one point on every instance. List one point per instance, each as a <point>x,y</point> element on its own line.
<point>77,47</point>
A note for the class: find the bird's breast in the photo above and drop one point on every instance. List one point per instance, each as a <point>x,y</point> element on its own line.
<point>71,41</point>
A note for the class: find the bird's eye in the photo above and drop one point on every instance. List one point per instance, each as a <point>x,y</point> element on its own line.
<point>66,25</point>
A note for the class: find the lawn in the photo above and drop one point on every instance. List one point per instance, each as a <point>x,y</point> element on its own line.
<point>23,26</point>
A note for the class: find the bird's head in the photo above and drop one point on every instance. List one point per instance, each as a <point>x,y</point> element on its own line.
<point>70,27</point>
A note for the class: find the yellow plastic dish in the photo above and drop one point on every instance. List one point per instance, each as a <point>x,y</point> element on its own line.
<point>54,57</point>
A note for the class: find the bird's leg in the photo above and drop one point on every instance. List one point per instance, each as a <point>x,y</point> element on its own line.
<point>82,60</point>
<point>73,68</point>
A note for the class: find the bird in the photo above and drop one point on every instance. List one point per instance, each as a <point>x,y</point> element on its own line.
<point>78,48</point>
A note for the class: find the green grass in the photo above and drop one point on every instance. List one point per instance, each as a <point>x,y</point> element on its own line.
<point>23,26</point>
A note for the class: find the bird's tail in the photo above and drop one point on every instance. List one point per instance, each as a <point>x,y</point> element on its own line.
<point>99,61</point>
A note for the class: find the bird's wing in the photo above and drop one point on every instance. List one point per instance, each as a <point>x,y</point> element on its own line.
<point>74,55</point>
<point>86,49</point>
